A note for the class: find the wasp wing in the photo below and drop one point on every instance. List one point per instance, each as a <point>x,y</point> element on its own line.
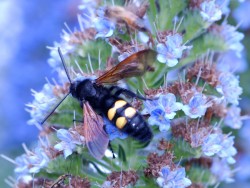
<point>134,65</point>
<point>96,138</point>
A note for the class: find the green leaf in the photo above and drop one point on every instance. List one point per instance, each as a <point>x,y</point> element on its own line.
<point>88,54</point>
<point>168,10</point>
<point>121,154</point>
<point>60,165</point>
<point>198,174</point>
<point>201,46</point>
<point>183,149</point>
<point>193,25</point>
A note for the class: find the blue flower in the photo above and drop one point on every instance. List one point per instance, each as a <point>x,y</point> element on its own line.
<point>150,105</point>
<point>168,103</point>
<point>69,140</point>
<point>197,106</point>
<point>211,145</point>
<point>173,179</point>
<point>170,51</point>
<point>88,9</point>
<point>66,48</point>
<point>113,131</point>
<point>104,27</point>
<point>31,162</point>
<point>228,150</point>
<point>37,160</point>
<point>230,62</point>
<point>159,117</point>
<point>162,110</point>
<point>231,37</point>
<point>221,145</point>
<point>22,165</point>
<point>41,104</point>
<point>221,170</point>
<point>198,135</point>
<point>229,87</point>
<point>233,118</point>
<point>210,11</point>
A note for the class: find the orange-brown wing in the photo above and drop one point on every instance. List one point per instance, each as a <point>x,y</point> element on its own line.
<point>134,65</point>
<point>96,138</point>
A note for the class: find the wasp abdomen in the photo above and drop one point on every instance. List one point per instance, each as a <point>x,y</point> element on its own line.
<point>128,120</point>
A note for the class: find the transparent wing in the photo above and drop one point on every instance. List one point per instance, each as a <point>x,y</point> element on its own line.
<point>134,65</point>
<point>96,138</point>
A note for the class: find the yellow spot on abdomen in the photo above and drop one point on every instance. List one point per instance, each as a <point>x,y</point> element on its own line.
<point>130,112</point>
<point>119,104</point>
<point>112,111</point>
<point>121,122</point>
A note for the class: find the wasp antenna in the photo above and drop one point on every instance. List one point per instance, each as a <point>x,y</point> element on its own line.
<point>64,64</point>
<point>52,111</point>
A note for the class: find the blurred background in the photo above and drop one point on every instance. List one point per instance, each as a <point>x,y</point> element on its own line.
<point>27,27</point>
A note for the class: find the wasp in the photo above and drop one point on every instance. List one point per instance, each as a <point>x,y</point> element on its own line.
<point>131,19</point>
<point>121,15</point>
<point>98,101</point>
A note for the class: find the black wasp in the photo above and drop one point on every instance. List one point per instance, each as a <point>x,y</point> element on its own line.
<point>98,100</point>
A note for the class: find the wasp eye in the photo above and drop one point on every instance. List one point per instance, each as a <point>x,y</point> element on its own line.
<point>74,89</point>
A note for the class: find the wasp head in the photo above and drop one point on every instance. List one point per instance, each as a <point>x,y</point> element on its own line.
<point>82,89</point>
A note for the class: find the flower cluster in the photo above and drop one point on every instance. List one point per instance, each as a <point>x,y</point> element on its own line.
<point>162,110</point>
<point>175,178</point>
<point>186,111</point>
<point>33,161</point>
<point>43,100</point>
<point>220,144</point>
<point>170,49</point>
<point>69,139</point>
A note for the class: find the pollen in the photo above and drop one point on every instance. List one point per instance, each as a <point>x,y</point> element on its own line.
<point>121,122</point>
<point>130,112</point>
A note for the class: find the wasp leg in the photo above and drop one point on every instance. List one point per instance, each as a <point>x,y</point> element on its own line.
<point>120,90</point>
<point>77,120</point>
<point>111,149</point>
<point>110,146</point>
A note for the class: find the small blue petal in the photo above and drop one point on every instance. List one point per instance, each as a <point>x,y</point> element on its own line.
<point>161,48</point>
<point>158,117</point>
<point>229,87</point>
<point>104,27</point>
<point>174,179</point>
<point>171,50</point>
<point>165,171</point>
<point>210,11</point>
<point>64,135</point>
<point>197,106</point>
<point>233,118</point>
<point>172,62</point>
<point>161,58</point>
<point>222,170</point>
